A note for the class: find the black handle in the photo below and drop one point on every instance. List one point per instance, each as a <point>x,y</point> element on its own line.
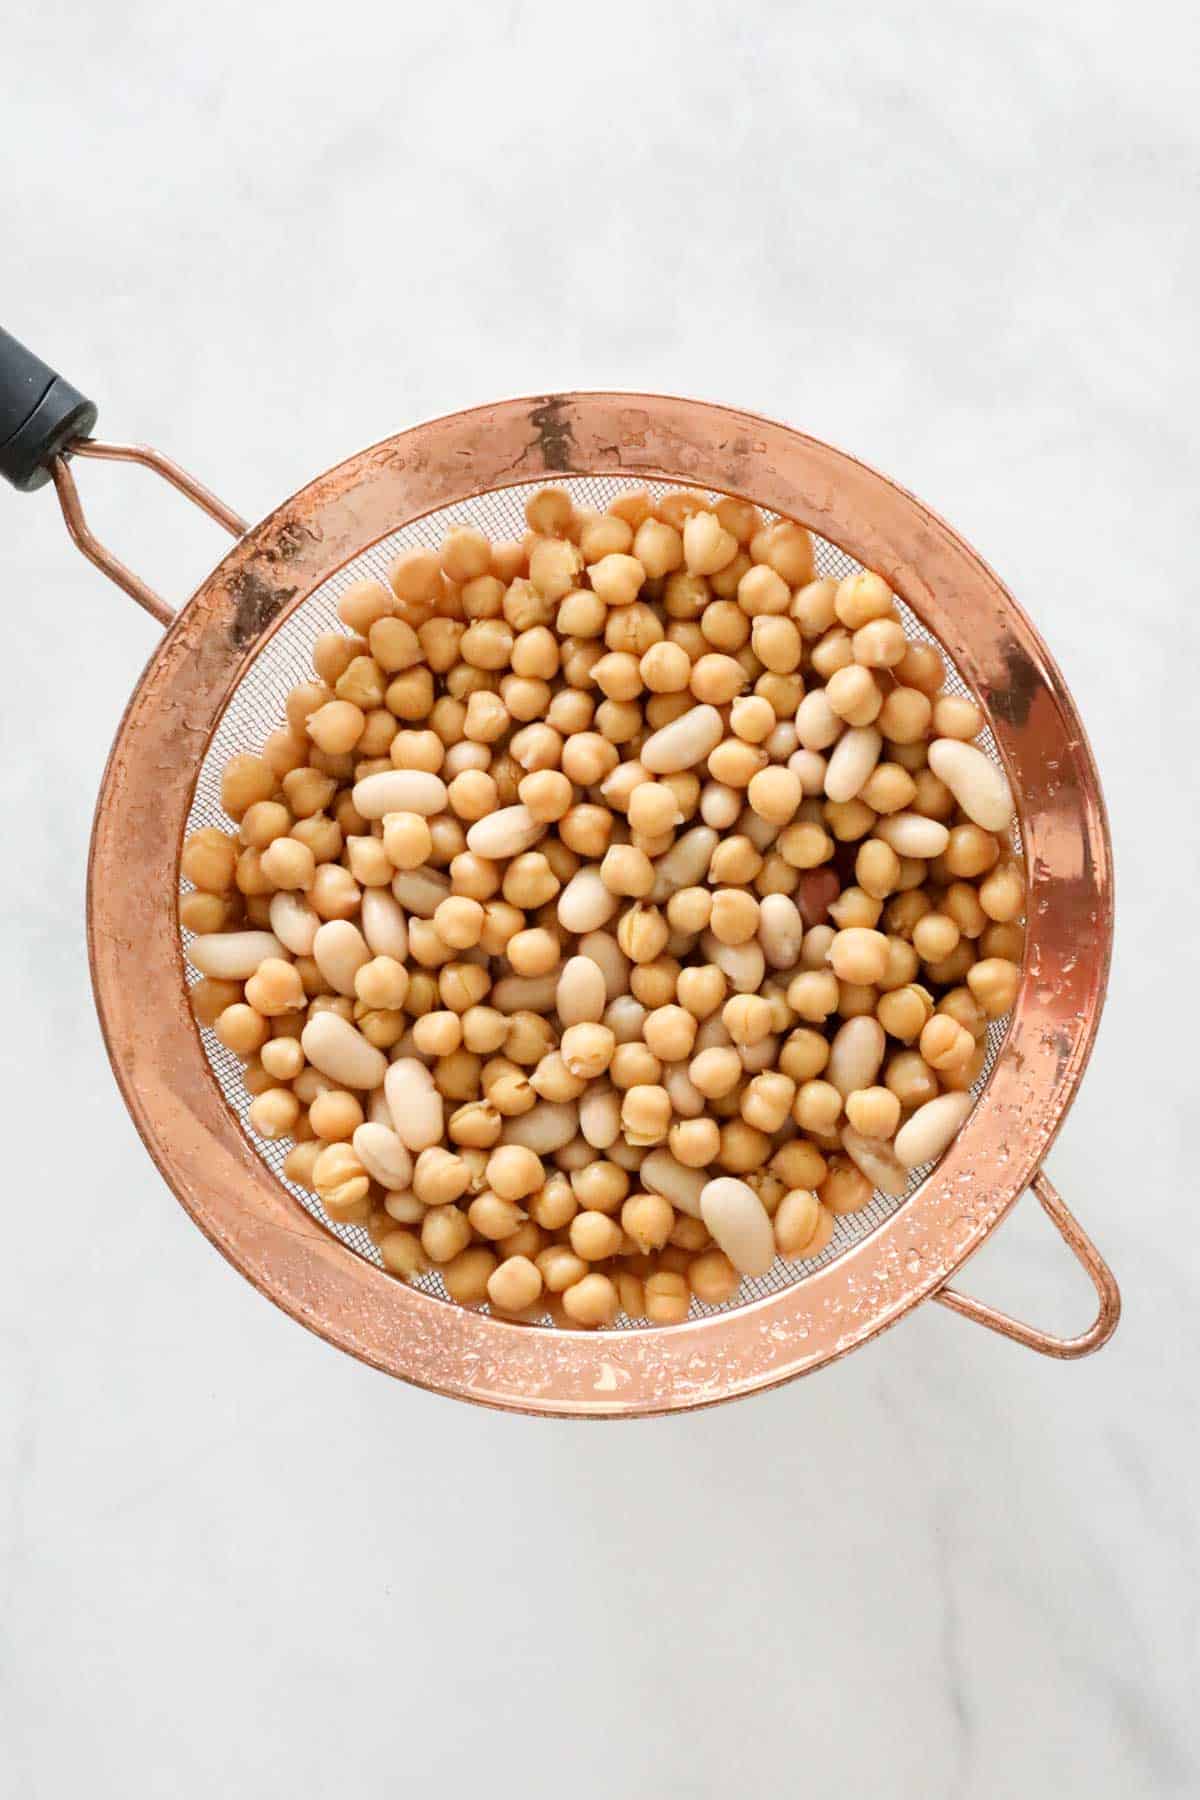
<point>39,413</point>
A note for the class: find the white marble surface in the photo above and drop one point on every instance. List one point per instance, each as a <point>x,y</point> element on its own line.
<point>959,241</point>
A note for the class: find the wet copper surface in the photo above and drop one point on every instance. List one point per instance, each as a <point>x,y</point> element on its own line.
<point>198,1144</point>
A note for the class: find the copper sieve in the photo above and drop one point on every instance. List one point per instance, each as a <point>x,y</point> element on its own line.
<point>217,682</point>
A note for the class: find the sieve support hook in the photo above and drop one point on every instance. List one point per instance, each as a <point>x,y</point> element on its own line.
<point>1101,1276</point>
<point>87,541</point>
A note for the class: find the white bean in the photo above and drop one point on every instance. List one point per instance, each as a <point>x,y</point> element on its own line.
<point>780,930</point>
<point>720,805</point>
<point>817,725</point>
<point>686,741</point>
<point>603,949</point>
<point>336,1049</point>
<point>339,951</point>
<point>855,756</point>
<point>855,1054</point>
<point>383,924</point>
<point>545,1127</point>
<point>506,833</point>
<point>625,1017</point>
<point>294,922</point>
<point>738,1221</point>
<point>626,1156</point>
<point>382,1155</point>
<point>761,832</point>
<point>687,1102</point>
<point>743,965</point>
<point>685,863</point>
<point>585,904</point>
<point>876,1161</point>
<point>912,834</point>
<point>405,1208</point>
<point>674,1180</point>
<point>420,891</point>
<point>810,766</point>
<point>232,955</point>
<point>414,1103</point>
<point>931,1128</point>
<point>575,1155</point>
<point>378,1110</point>
<point>782,742</point>
<point>600,1116</point>
<point>978,784</point>
<point>760,1056</point>
<point>399,791</point>
<point>524,993</point>
<point>581,994</point>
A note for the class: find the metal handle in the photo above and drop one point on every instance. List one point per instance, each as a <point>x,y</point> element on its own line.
<point>43,422</point>
<point>1077,1239</point>
<point>93,549</point>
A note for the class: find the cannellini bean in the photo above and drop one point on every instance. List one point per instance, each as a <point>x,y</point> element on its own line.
<point>383,924</point>
<point>382,1155</point>
<point>336,1049</point>
<point>581,993</point>
<point>625,1017</point>
<point>780,930</point>
<point>546,1127</point>
<point>979,785</point>
<point>232,955</point>
<point>294,923</point>
<point>674,1181</point>
<point>339,950</point>
<point>420,891</point>
<point>524,993</point>
<point>810,766</point>
<point>399,790</point>
<point>683,743</point>
<point>404,1207</point>
<point>414,1103</point>
<point>854,757</point>
<point>685,863</point>
<point>506,833</point>
<point>603,949</point>
<point>600,1116</point>
<point>739,1222</point>
<point>817,725</point>
<point>931,1127</point>
<point>585,904</point>
<point>876,1160</point>
<point>378,1110</point>
<point>687,1102</point>
<point>743,965</point>
<point>911,834</point>
<point>856,1054</point>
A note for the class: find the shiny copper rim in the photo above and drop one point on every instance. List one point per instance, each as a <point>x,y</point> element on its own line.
<point>156,1053</point>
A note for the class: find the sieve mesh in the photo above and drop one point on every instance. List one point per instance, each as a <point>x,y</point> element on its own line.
<point>256,708</point>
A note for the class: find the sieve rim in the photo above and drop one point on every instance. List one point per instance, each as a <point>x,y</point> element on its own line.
<point>146,791</point>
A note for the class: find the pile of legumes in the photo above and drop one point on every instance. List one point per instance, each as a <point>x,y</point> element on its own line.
<point>614,909</point>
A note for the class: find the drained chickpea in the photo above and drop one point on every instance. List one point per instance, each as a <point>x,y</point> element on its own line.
<point>525,680</point>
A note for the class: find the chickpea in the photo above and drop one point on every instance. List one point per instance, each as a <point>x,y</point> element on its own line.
<point>591,1302</point>
<point>994,983</point>
<point>335,1115</point>
<point>407,840</point>
<point>910,1078</point>
<point>209,860</point>
<point>645,1113</point>
<point>873,1111</point>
